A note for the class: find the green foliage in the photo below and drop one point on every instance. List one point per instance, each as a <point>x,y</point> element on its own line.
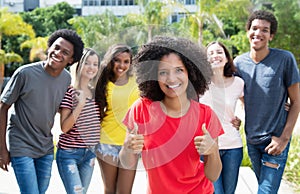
<point>288,17</point>
<point>246,160</point>
<point>292,169</point>
<point>240,42</point>
<point>46,20</point>
<point>12,44</point>
<point>98,31</point>
<point>12,25</point>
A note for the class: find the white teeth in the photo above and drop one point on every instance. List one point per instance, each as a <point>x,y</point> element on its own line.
<point>54,58</point>
<point>174,86</point>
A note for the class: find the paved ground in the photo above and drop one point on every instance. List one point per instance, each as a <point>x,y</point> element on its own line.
<point>246,183</point>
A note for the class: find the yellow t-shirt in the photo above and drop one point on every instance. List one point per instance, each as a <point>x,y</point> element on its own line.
<point>119,99</point>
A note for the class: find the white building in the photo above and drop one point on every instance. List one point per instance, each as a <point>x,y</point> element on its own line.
<point>91,7</point>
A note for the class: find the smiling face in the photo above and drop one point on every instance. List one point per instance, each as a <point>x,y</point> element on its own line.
<point>216,56</point>
<point>60,54</point>
<point>121,65</point>
<point>90,67</point>
<point>172,76</point>
<point>259,34</point>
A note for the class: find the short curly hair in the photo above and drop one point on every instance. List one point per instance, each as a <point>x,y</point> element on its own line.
<point>73,38</point>
<point>263,15</point>
<point>193,57</point>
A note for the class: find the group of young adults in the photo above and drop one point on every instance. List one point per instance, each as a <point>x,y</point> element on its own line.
<point>172,105</point>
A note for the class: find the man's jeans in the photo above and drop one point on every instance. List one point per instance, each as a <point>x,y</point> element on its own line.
<point>76,168</point>
<point>32,174</point>
<point>269,177</point>
<point>231,161</point>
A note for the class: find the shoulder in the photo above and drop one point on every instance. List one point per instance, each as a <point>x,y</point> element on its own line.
<point>132,79</point>
<point>238,80</point>
<point>71,89</point>
<point>282,57</point>
<point>66,73</point>
<point>281,52</point>
<point>110,84</point>
<point>142,102</point>
<point>30,67</point>
<point>241,57</point>
<point>201,106</point>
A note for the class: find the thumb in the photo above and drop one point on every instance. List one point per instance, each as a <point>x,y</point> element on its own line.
<point>134,129</point>
<point>204,129</point>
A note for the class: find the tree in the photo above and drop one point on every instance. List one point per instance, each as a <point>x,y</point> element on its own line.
<point>97,31</point>
<point>11,25</point>
<point>38,47</point>
<point>288,15</point>
<point>44,21</point>
<point>47,20</point>
<point>155,14</point>
<point>204,17</point>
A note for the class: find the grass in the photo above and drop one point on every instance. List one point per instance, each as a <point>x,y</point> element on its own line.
<point>292,169</point>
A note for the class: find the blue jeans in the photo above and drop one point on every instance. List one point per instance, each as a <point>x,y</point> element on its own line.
<point>269,178</point>
<point>33,174</point>
<point>76,168</point>
<point>231,161</point>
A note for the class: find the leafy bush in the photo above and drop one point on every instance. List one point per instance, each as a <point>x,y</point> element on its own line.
<point>292,169</point>
<point>246,160</point>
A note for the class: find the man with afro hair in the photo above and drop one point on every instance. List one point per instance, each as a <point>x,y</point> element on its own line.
<point>35,91</point>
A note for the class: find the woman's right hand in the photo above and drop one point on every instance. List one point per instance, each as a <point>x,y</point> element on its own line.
<point>134,143</point>
<point>80,97</point>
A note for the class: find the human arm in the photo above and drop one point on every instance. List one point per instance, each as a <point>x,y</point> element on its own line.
<point>236,121</point>
<point>133,146</point>
<point>68,117</point>
<point>207,146</point>
<point>4,154</point>
<point>278,144</point>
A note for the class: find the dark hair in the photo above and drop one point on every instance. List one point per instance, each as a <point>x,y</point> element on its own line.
<point>73,38</point>
<point>107,74</point>
<point>229,68</point>
<point>263,15</point>
<point>192,56</point>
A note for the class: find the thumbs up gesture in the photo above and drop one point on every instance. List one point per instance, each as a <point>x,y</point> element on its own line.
<point>205,144</point>
<point>133,141</point>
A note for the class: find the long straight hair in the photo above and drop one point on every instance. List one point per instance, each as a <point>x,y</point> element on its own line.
<point>79,66</point>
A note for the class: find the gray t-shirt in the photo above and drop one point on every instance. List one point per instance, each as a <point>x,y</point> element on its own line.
<point>35,96</point>
<point>265,92</point>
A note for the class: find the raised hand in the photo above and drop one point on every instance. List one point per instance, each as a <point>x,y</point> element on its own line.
<point>205,144</point>
<point>134,142</point>
<point>80,97</point>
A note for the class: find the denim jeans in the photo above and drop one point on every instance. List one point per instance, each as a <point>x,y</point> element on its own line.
<point>269,178</point>
<point>33,174</point>
<point>76,168</point>
<point>231,161</point>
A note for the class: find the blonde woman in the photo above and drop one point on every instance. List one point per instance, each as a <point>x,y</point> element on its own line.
<point>80,124</point>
